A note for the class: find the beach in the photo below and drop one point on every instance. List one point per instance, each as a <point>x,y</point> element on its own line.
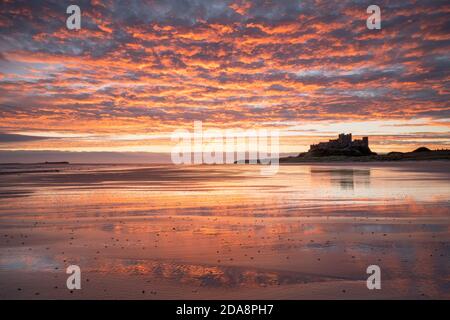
<point>225,231</point>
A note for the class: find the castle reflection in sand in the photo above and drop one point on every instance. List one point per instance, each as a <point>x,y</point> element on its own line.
<point>346,178</point>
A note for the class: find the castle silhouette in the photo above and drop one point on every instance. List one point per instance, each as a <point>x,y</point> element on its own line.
<point>343,145</point>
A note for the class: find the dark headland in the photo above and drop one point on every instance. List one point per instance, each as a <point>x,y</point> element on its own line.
<point>345,149</point>
<point>40,167</point>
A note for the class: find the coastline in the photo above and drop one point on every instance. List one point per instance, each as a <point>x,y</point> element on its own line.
<point>437,155</point>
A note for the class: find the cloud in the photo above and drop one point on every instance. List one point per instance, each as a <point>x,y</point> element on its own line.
<point>136,65</point>
<point>9,138</point>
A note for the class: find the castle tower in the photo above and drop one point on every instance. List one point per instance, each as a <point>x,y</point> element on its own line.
<point>365,141</point>
<point>345,139</point>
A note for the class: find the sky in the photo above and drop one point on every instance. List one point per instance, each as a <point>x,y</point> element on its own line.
<point>137,71</point>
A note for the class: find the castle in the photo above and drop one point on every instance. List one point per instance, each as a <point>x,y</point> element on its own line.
<point>343,145</point>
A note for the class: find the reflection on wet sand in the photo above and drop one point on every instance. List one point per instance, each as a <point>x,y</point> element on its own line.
<point>346,178</point>
<point>216,231</point>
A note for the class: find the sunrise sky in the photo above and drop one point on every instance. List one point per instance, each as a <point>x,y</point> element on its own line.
<point>138,70</point>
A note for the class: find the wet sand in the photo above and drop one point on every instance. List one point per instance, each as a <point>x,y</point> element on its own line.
<point>225,232</point>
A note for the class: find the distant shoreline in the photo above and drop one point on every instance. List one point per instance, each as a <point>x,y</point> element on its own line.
<point>305,157</point>
<point>35,163</point>
<point>416,155</point>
